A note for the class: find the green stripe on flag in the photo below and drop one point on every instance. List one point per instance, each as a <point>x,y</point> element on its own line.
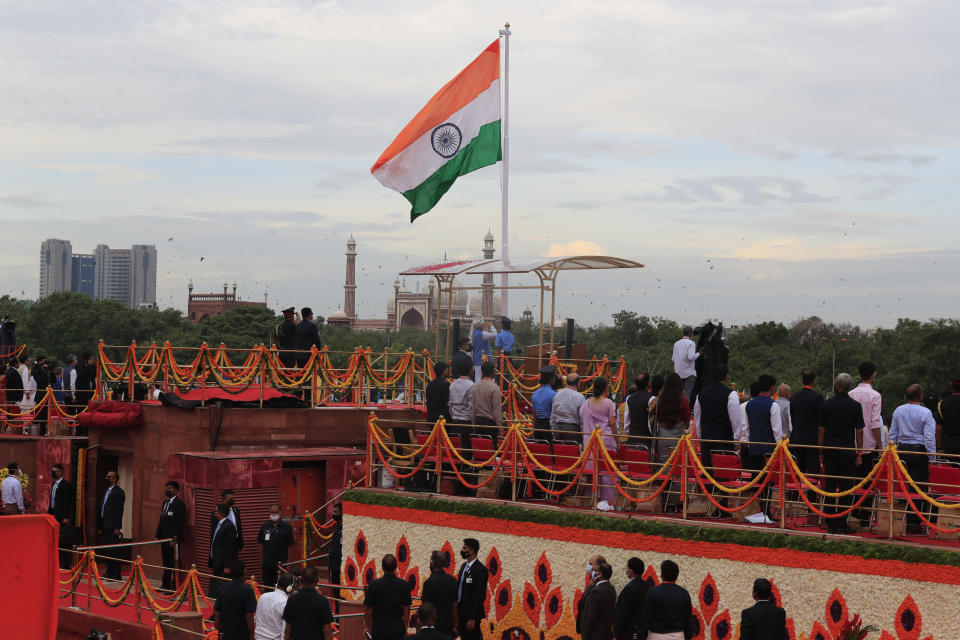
<point>482,151</point>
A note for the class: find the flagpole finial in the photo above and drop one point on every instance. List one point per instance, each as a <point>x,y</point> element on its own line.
<point>507,24</point>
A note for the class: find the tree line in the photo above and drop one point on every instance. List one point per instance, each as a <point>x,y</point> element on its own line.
<point>926,352</point>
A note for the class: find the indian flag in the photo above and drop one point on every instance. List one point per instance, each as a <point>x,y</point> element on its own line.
<point>457,132</point>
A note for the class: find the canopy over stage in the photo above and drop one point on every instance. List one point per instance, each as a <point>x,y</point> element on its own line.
<point>546,269</point>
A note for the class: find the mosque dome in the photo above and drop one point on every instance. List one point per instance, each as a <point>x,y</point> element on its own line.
<point>337,315</point>
<point>476,300</point>
<point>459,297</point>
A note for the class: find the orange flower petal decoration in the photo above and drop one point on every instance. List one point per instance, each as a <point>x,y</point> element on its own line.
<point>447,550</point>
<point>709,598</point>
<point>413,579</point>
<point>350,572</point>
<point>775,593</point>
<point>402,555</point>
<point>650,575</point>
<point>494,568</point>
<point>543,575</point>
<point>369,573</point>
<point>553,607</point>
<point>836,612</point>
<point>791,629</point>
<point>908,622</point>
<point>819,633</point>
<point>531,604</point>
<point>576,600</point>
<point>700,630</point>
<point>886,636</point>
<point>503,600</point>
<point>360,548</point>
<point>721,629</point>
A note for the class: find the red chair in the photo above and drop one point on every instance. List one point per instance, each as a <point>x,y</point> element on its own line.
<point>482,447</point>
<point>634,461</point>
<point>881,492</point>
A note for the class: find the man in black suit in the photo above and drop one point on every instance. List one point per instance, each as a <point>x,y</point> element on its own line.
<point>63,501</point>
<point>438,394</point>
<point>462,362</point>
<point>173,515</point>
<point>427,615</point>
<point>275,538</point>
<point>841,427</point>
<point>471,591</point>
<point>223,547</point>
<point>630,601</point>
<point>764,620</point>
<point>227,498</point>
<point>286,336</point>
<point>307,336</point>
<point>110,522</point>
<point>805,418</point>
<point>599,607</point>
<point>593,569</point>
<point>440,591</point>
<point>386,604</point>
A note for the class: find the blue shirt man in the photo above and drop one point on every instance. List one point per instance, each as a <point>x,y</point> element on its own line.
<point>481,345</point>
<point>505,339</point>
<point>914,431</point>
<point>542,403</point>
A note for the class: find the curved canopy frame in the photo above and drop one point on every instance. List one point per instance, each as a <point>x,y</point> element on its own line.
<point>546,269</point>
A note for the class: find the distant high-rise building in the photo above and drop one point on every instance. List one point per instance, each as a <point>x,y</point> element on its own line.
<point>143,276</point>
<point>128,276</point>
<point>82,273</point>
<point>55,266</point>
<point>112,275</point>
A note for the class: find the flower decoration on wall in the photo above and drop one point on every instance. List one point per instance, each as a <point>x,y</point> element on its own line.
<point>908,623</point>
<point>538,597</point>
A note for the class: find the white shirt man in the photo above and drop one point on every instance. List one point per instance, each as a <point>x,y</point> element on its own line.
<point>870,400</point>
<point>685,356</point>
<point>461,399</point>
<point>269,617</point>
<point>11,493</point>
<point>565,407</point>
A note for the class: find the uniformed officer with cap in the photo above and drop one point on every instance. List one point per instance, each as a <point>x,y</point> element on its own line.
<point>505,338</point>
<point>286,337</point>
<point>542,402</point>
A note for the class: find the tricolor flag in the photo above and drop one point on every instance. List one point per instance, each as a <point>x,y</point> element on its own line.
<point>457,132</point>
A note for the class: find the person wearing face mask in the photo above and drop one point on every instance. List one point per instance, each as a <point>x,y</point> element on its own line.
<point>269,617</point>
<point>275,538</point>
<point>471,591</point>
<point>173,515</point>
<point>62,508</point>
<point>630,601</point>
<point>593,570</point>
<point>110,521</point>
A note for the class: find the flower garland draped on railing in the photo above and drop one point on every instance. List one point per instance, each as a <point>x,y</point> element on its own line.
<point>595,368</point>
<point>55,410</point>
<point>888,478</point>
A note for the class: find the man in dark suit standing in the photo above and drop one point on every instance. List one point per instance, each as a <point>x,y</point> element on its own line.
<point>227,498</point>
<point>599,608</point>
<point>841,428</point>
<point>286,336</point>
<point>223,547</point>
<point>110,522</point>
<point>717,415</point>
<point>462,362</point>
<point>275,538</point>
<point>307,336</point>
<point>63,501</point>
<point>805,418</point>
<point>764,620</point>
<point>427,615</point>
<point>630,601</point>
<point>173,515</point>
<point>471,591</point>
<point>438,394</point>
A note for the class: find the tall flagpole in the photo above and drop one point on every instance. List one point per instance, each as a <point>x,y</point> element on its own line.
<point>505,170</point>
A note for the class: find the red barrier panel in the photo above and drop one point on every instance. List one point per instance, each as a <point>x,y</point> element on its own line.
<point>29,566</point>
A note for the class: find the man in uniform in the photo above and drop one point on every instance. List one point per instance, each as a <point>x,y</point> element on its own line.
<point>542,403</point>
<point>307,336</point>
<point>286,337</point>
<point>173,515</point>
<point>387,604</point>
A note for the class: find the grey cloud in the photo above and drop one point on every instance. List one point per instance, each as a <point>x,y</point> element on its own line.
<point>750,191</point>
<point>26,202</point>
<point>919,160</point>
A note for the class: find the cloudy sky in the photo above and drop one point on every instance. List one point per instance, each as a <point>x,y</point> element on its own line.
<point>765,160</point>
